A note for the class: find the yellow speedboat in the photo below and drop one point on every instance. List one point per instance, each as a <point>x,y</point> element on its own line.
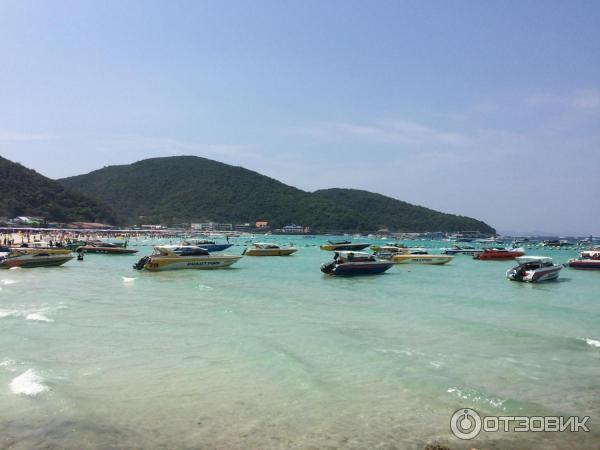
<point>172,257</point>
<point>421,259</point>
<point>266,249</point>
<point>34,257</point>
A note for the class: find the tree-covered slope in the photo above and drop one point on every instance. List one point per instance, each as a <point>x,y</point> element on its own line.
<point>395,214</point>
<point>192,189</point>
<point>24,192</point>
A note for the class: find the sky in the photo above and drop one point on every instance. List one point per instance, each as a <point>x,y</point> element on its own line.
<point>486,109</point>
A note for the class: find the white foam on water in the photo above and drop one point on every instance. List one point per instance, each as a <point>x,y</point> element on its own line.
<point>204,287</point>
<point>7,313</point>
<point>38,317</point>
<point>128,279</point>
<point>15,268</point>
<point>28,383</point>
<point>8,282</point>
<point>477,397</point>
<point>592,342</point>
<point>8,364</point>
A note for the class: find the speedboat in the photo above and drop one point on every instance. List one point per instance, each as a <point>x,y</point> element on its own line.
<point>499,253</point>
<point>384,251</point>
<point>209,246</point>
<point>422,259</point>
<point>556,243</point>
<point>464,250</point>
<point>170,257</point>
<point>388,251</point>
<point>27,248</point>
<point>396,245</point>
<point>534,269</point>
<point>588,260</point>
<point>347,263</point>
<point>343,245</point>
<point>267,249</point>
<point>105,247</point>
<point>34,257</point>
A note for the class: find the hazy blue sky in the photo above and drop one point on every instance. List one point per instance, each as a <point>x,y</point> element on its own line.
<point>489,109</point>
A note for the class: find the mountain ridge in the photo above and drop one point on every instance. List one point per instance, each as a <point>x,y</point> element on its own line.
<point>26,192</point>
<point>180,189</point>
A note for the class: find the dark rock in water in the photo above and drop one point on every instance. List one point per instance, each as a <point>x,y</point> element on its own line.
<point>436,447</point>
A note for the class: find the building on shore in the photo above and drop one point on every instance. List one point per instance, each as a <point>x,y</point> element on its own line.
<point>212,226</point>
<point>295,229</point>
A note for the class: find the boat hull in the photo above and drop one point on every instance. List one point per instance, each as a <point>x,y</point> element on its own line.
<point>498,255</point>
<point>29,261</point>
<point>106,250</point>
<point>356,269</point>
<point>43,250</point>
<point>343,247</point>
<point>584,264</point>
<point>535,276</point>
<point>422,259</point>
<point>160,263</point>
<point>270,251</point>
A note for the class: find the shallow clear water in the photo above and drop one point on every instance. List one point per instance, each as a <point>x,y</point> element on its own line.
<point>273,354</point>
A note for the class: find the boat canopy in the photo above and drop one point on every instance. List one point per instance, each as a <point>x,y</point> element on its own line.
<point>530,259</point>
<point>196,241</point>
<point>591,254</point>
<point>266,245</point>
<point>181,250</point>
<point>349,255</point>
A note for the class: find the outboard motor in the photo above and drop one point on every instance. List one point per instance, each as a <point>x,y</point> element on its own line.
<point>328,267</point>
<point>141,263</point>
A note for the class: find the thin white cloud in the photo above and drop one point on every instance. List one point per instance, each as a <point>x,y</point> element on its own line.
<point>579,100</point>
<point>397,131</point>
<point>13,136</point>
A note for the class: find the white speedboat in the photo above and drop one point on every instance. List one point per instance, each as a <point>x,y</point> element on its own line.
<point>171,257</point>
<point>534,269</point>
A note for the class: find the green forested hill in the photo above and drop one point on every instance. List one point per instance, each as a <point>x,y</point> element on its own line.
<point>395,214</point>
<point>193,189</point>
<point>24,192</point>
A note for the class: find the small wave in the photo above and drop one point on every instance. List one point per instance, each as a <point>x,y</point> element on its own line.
<point>204,287</point>
<point>8,282</point>
<point>475,396</point>
<point>592,342</point>
<point>38,317</point>
<point>15,268</point>
<point>128,279</point>
<point>8,364</point>
<point>28,383</point>
<point>7,313</point>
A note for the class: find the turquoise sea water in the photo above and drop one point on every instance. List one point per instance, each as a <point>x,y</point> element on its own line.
<point>273,354</point>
